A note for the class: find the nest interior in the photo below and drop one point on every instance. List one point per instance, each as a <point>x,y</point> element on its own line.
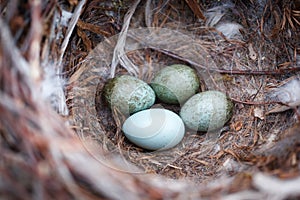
<point>105,39</point>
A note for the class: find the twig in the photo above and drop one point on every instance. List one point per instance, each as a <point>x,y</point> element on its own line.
<point>253,103</point>
<point>196,9</point>
<point>230,72</point>
<point>276,72</point>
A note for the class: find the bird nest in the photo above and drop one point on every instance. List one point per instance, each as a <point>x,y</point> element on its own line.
<point>85,155</point>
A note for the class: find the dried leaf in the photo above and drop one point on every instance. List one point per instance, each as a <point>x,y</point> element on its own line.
<point>252,53</point>
<point>237,126</point>
<point>259,113</point>
<point>288,93</point>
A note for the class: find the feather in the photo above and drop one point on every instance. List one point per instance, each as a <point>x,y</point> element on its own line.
<point>52,89</point>
<point>215,18</point>
<point>230,30</point>
<point>215,14</point>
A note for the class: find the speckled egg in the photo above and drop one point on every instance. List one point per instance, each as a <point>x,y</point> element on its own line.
<point>206,111</point>
<point>128,94</point>
<point>175,84</point>
<point>154,129</point>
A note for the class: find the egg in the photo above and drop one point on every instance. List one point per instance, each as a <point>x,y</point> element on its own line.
<point>175,84</point>
<point>206,111</point>
<point>154,129</point>
<point>128,94</point>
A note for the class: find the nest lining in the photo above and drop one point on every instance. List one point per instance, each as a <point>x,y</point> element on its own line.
<point>237,149</point>
<point>200,157</point>
<point>41,149</point>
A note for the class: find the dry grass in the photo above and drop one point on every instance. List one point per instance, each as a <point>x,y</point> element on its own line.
<point>85,154</point>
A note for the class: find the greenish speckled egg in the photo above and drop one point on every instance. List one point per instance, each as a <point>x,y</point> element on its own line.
<point>207,111</point>
<point>175,84</point>
<point>128,94</point>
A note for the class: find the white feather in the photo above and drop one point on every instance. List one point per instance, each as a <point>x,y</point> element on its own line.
<point>230,30</point>
<point>215,14</point>
<point>65,18</point>
<point>52,89</point>
<point>215,18</point>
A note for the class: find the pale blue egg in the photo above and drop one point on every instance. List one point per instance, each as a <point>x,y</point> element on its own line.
<point>154,129</point>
